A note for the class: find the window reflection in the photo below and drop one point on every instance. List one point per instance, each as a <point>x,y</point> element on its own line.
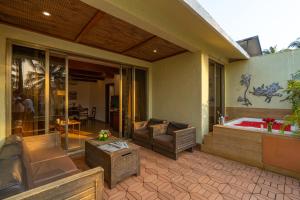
<point>28,91</point>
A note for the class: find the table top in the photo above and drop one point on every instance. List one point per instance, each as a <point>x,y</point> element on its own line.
<point>70,122</point>
<point>111,139</point>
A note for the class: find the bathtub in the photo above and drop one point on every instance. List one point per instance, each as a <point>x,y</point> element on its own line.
<point>255,146</point>
<point>237,124</point>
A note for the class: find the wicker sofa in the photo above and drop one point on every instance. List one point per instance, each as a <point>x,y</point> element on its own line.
<point>45,161</point>
<point>39,164</point>
<point>142,134</point>
<point>172,138</point>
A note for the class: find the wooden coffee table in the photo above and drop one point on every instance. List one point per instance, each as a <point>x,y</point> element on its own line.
<point>117,165</point>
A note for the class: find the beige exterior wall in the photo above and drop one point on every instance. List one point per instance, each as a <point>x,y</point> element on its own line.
<point>204,94</point>
<point>177,89</point>
<point>180,89</point>
<point>9,32</point>
<point>264,70</point>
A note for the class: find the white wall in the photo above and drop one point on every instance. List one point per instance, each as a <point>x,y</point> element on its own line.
<point>264,70</point>
<point>90,94</point>
<point>83,90</point>
<point>97,99</point>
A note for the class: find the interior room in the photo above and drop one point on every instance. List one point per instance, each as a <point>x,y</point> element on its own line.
<point>93,99</point>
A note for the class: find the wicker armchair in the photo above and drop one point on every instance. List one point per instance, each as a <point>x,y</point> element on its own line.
<point>142,134</point>
<point>174,138</point>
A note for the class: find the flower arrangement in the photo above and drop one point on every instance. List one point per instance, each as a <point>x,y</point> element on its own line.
<point>269,122</point>
<point>104,135</point>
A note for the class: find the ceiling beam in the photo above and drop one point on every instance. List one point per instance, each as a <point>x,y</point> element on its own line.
<point>91,67</point>
<point>89,25</point>
<point>87,75</point>
<point>138,44</point>
<point>83,79</point>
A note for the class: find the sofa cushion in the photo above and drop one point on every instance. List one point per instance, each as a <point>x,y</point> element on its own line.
<point>13,139</point>
<point>160,129</point>
<point>141,133</point>
<point>165,141</point>
<point>154,122</point>
<point>52,170</point>
<point>173,126</point>
<point>10,150</point>
<point>45,154</point>
<point>11,173</point>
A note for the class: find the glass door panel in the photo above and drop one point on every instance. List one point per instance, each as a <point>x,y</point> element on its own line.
<point>57,96</point>
<point>28,91</point>
<point>126,102</point>
<point>212,96</point>
<point>140,86</point>
<point>216,93</point>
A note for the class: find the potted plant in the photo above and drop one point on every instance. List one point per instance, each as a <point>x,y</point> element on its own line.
<point>104,135</point>
<point>293,96</point>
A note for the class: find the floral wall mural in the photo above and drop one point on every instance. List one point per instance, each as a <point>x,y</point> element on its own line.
<point>245,81</point>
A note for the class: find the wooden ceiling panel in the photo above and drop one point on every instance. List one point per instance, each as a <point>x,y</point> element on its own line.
<point>76,21</point>
<point>114,35</point>
<point>154,49</point>
<point>67,19</point>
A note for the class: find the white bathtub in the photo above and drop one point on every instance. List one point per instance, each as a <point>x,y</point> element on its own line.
<point>233,123</point>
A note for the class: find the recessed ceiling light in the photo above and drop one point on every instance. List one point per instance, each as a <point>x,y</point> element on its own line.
<point>154,51</point>
<point>46,13</point>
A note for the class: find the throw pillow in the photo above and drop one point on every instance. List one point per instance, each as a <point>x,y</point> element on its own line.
<point>10,150</point>
<point>13,139</point>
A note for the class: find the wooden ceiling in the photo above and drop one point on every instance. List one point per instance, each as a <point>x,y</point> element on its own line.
<point>76,21</point>
<point>83,71</point>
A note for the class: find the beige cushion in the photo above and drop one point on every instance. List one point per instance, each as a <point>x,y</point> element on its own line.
<point>51,170</point>
<point>45,154</point>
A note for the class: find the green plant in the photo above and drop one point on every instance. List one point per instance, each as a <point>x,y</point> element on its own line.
<point>293,91</point>
<point>104,135</point>
<point>293,96</point>
<point>270,50</point>
<point>295,44</point>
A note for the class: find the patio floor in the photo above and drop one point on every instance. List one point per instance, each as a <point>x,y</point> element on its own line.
<point>199,175</point>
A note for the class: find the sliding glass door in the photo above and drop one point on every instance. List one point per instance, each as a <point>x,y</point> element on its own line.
<point>216,92</point>
<point>127,102</point>
<point>28,91</point>
<point>38,95</point>
<point>140,95</point>
<point>134,98</point>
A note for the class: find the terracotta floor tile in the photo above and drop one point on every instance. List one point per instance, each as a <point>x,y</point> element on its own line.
<point>200,176</point>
